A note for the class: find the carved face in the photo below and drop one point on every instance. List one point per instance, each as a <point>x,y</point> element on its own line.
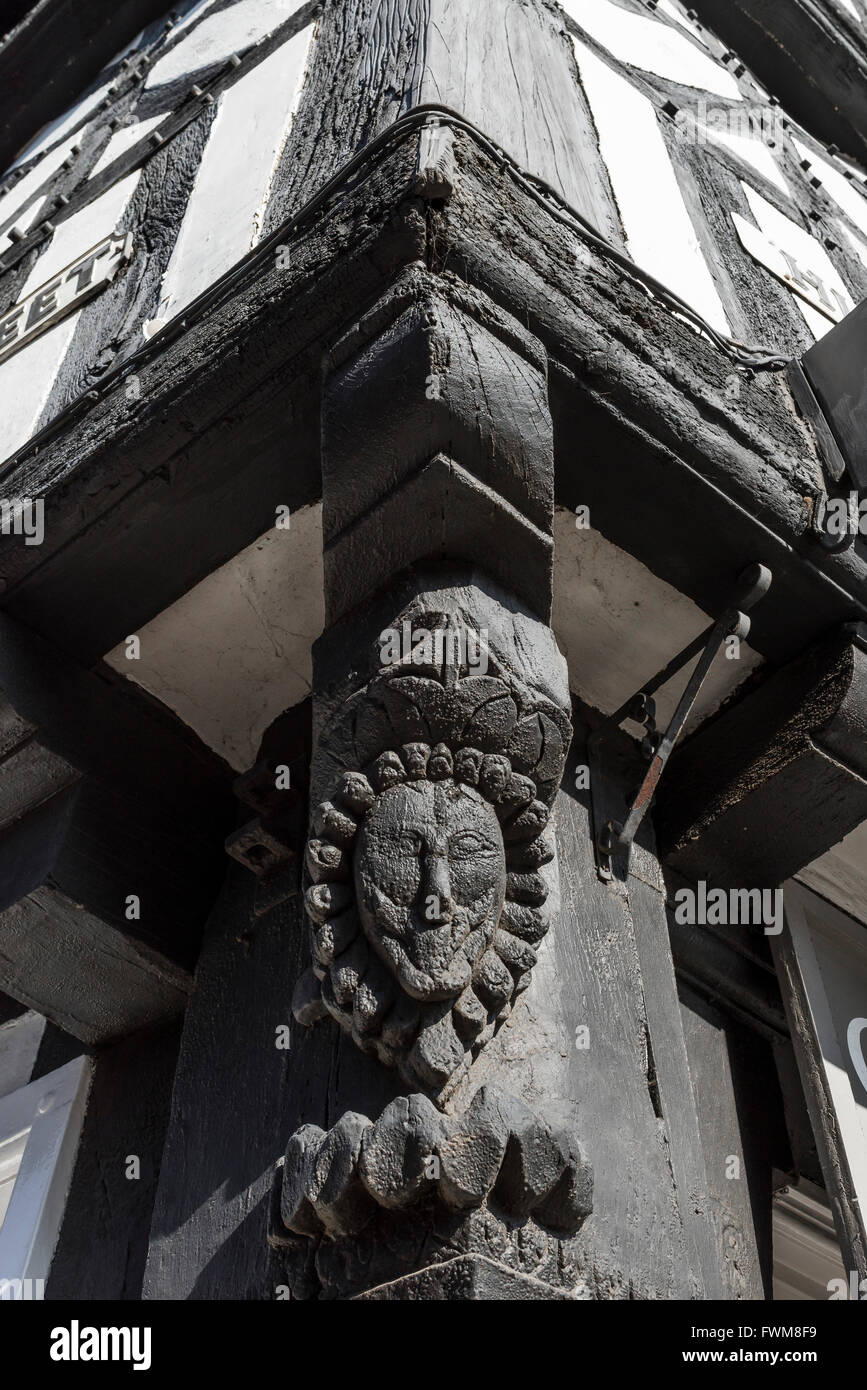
<point>430,878</point>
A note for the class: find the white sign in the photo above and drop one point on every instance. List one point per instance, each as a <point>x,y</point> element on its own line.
<point>801,280</point>
<point>63,294</point>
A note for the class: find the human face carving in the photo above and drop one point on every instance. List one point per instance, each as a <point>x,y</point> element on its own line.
<point>430,878</point>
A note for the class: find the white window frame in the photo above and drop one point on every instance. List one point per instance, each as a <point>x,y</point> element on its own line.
<point>824,1067</point>
<point>50,1111</point>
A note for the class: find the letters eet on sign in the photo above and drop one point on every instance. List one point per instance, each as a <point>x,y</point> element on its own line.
<point>64,293</point>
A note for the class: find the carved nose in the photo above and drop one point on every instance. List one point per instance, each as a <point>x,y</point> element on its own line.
<point>437,905</point>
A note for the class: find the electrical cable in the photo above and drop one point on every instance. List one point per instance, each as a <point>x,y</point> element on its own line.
<point>750,358</point>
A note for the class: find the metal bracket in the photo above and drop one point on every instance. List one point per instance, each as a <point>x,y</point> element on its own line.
<point>613,838</point>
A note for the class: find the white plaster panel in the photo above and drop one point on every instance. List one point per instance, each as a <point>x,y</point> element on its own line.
<point>26,378</point>
<point>220,35</point>
<point>618,624</point>
<point>223,219</point>
<point>837,185</point>
<point>809,253</point>
<point>645,43</point>
<point>19,1046</point>
<point>235,652</point>
<point>857,245</point>
<point>660,234</point>
<point>124,140</point>
<point>841,874</point>
<point>673,11</point>
<point>752,151</point>
<point>23,191</point>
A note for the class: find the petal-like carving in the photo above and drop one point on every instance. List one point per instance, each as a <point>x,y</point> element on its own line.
<point>335,936</point>
<point>327,863</point>
<point>527,923</point>
<point>534,1162</point>
<point>395,1154</point>
<point>337,1194</point>
<point>295,1207</point>
<point>472,1157</point>
<point>530,823</point>
<point>326,900</point>
<point>525,745</point>
<point>492,981</point>
<point>554,750</point>
<point>485,713</point>
<point>349,970</point>
<point>517,954</point>
<point>438,1053</point>
<point>416,708</point>
<point>330,823</point>
<point>356,793</point>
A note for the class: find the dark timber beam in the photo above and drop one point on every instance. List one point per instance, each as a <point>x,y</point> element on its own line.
<point>145,497</point>
<point>54,54</point>
<point>808,54</point>
<point>778,779</point>
<point>111,823</point>
<point>457,935</point>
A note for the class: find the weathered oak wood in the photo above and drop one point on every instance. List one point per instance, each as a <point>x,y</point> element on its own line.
<point>771,784</point>
<point>113,818</point>
<point>612,387</point>
<point>102,1246</point>
<point>509,69</point>
<point>811,58</point>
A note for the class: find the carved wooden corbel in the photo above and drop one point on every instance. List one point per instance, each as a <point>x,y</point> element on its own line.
<point>430,868</point>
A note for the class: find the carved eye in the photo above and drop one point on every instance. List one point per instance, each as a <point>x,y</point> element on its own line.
<point>467,843</point>
<point>409,843</point>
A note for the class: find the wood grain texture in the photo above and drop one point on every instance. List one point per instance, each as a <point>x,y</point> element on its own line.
<point>627,380</point>
<point>674,1083</point>
<point>103,1241</point>
<point>505,65</point>
<point>807,56</point>
<point>740,1118</point>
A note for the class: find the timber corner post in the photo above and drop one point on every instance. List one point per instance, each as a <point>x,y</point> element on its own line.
<point>442,724</point>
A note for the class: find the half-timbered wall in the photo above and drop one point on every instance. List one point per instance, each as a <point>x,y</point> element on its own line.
<point>637,117</point>
<point>665,238</point>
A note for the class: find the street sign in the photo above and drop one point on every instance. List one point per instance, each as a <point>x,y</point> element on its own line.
<point>63,293</point>
<point>801,280</point>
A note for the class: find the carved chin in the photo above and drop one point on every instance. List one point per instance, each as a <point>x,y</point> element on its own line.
<point>430,962</point>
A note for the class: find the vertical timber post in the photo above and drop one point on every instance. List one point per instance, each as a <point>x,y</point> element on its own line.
<point>454,1161</point>
<point>442,720</point>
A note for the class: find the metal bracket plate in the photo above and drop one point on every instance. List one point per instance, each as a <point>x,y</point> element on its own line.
<point>613,838</point>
